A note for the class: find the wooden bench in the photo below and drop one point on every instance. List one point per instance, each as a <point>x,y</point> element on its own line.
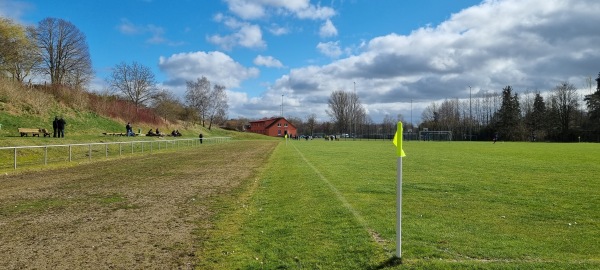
<point>34,132</point>
<point>114,133</point>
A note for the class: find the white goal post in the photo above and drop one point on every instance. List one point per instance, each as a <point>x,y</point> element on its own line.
<point>444,135</point>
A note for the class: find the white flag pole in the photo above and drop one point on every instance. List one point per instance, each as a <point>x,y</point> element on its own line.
<point>400,153</point>
<point>399,209</point>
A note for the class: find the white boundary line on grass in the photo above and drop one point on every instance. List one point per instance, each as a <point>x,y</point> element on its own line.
<point>342,199</point>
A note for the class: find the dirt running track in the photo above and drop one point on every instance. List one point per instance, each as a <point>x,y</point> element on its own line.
<point>145,212</point>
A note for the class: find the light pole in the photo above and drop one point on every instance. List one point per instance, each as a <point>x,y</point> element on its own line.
<point>411,122</point>
<point>470,116</point>
<point>354,112</point>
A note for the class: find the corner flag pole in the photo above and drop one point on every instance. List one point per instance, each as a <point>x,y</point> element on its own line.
<point>400,153</point>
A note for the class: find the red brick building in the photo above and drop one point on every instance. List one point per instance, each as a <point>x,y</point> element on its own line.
<point>274,127</point>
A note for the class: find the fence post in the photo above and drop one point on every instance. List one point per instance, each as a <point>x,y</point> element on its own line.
<point>106,150</point>
<point>15,158</point>
<point>70,155</point>
<point>131,147</point>
<point>89,152</point>
<point>120,149</point>
<point>46,155</point>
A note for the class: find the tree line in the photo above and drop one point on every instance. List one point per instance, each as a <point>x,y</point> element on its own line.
<point>561,114</point>
<point>57,51</point>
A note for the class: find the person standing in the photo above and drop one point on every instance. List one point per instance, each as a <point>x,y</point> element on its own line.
<point>129,129</point>
<point>200,138</point>
<point>55,126</point>
<point>61,127</point>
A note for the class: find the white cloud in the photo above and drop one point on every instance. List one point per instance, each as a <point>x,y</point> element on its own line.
<point>331,49</point>
<point>245,35</point>
<point>156,33</point>
<point>267,61</point>
<point>246,9</point>
<point>328,29</point>
<point>316,13</point>
<point>128,28</point>
<point>278,30</point>
<point>216,66</point>
<point>14,9</point>
<point>526,44</point>
<point>256,9</point>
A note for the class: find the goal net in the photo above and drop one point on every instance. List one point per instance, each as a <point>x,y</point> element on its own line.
<point>435,135</point>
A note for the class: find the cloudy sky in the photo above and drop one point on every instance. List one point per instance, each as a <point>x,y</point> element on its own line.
<point>398,55</point>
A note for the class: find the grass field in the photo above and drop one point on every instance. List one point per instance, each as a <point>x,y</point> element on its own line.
<point>310,205</point>
<point>331,205</point>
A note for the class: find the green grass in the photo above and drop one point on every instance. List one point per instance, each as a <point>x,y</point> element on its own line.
<point>86,127</point>
<point>331,205</point>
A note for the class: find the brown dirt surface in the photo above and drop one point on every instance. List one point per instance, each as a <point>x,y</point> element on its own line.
<point>143,212</point>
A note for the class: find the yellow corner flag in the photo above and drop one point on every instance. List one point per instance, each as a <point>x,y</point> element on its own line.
<point>398,141</point>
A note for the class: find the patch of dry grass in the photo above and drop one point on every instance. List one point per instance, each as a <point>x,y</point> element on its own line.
<point>145,212</point>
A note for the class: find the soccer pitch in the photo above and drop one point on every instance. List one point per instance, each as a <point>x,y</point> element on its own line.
<point>331,205</point>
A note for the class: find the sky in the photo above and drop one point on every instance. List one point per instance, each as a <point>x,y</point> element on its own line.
<point>288,56</point>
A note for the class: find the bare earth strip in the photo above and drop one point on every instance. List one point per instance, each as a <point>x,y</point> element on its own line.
<point>145,212</point>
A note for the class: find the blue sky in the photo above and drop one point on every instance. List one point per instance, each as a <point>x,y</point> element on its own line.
<point>400,55</point>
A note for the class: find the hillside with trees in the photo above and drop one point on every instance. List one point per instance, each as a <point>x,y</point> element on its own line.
<point>45,71</point>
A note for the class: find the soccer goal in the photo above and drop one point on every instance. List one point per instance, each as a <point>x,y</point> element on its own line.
<point>444,135</point>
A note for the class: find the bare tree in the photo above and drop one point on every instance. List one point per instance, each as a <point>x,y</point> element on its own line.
<point>167,105</point>
<point>135,81</point>
<point>346,110</point>
<point>339,109</point>
<point>564,104</point>
<point>217,106</point>
<point>311,123</point>
<point>197,96</point>
<point>430,116</point>
<point>65,53</point>
<point>389,124</point>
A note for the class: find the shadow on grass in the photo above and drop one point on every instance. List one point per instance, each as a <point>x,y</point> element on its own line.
<point>391,262</point>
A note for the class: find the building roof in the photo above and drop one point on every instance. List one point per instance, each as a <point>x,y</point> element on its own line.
<point>272,121</point>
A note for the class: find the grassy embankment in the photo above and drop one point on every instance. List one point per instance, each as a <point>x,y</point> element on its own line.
<point>331,205</point>
<point>36,108</point>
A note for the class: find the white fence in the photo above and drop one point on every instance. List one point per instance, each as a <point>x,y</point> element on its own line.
<point>44,154</point>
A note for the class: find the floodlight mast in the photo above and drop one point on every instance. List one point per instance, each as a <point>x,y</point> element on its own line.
<point>470,116</point>
<point>354,112</point>
<point>411,122</point>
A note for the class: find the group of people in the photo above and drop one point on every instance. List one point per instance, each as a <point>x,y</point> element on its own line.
<point>154,133</point>
<point>58,127</point>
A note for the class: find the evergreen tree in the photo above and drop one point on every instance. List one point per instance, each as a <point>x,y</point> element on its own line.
<point>593,105</point>
<point>536,119</point>
<point>508,117</point>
